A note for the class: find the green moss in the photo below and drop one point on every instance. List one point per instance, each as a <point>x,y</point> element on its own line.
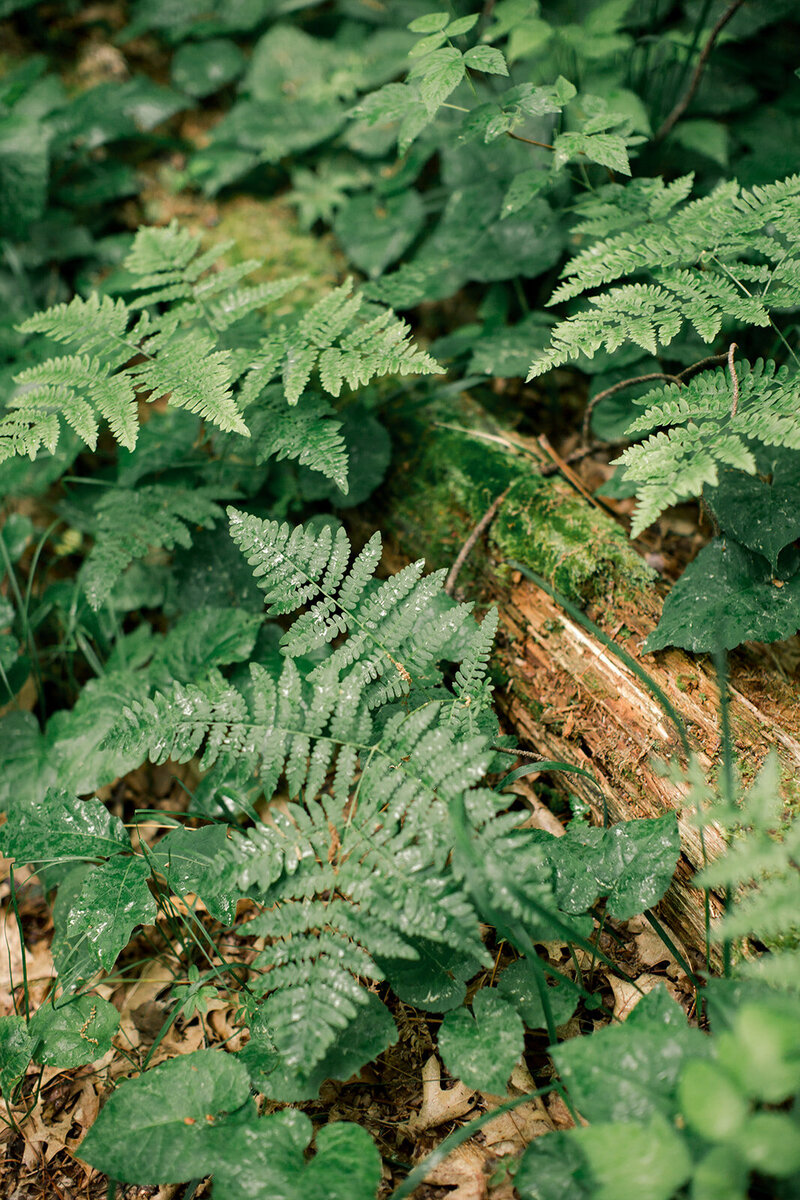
<point>542,523</point>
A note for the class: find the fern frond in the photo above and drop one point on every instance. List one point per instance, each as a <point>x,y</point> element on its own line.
<point>759,870</point>
<point>700,260</point>
<point>346,884</point>
<point>471,683</point>
<point>132,522</point>
<point>699,433</point>
<point>301,566</point>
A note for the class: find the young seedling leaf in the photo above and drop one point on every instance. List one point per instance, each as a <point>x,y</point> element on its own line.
<point>482,1050</point>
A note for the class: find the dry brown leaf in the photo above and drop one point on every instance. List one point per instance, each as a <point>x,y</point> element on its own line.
<point>440,1105</point>
<point>651,950</point>
<point>627,995</point>
<point>462,1170</point>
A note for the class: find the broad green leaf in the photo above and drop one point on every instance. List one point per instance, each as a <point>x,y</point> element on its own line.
<point>765,517</point>
<point>486,58</point>
<point>721,1175</point>
<point>523,188</point>
<point>482,1050</point>
<point>647,1161</point>
<point>760,1051</point>
<point>201,69</point>
<point>711,1102</point>
<point>553,1168</point>
<point>629,1072</point>
<point>462,25</point>
<point>771,1144</point>
<point>436,981</point>
<point>265,1160</point>
<point>430,23</point>
<point>206,638</point>
<point>517,984</point>
<point>73,954</point>
<point>375,230</point>
<point>73,1033</point>
<point>607,149</point>
<point>168,1125</point>
<point>444,70</point>
<point>725,597</point>
<point>632,864</point>
<point>113,900</point>
<point>16,1047</point>
<point>189,859</point>
<point>643,856</point>
<point>60,827</point>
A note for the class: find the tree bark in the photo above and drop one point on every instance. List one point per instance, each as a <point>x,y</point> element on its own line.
<point>565,695</point>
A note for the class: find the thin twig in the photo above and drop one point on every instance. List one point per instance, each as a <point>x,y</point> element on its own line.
<point>466,549</point>
<point>734,379</point>
<point>711,361</point>
<point>530,141</point>
<point>618,387</point>
<point>694,83</point>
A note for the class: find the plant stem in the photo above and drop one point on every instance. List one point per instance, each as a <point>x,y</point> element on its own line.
<point>694,83</point>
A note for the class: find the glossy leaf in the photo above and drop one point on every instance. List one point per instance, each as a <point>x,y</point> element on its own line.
<point>725,597</point>
<point>629,1072</point>
<point>16,1047</point>
<point>205,68</point>
<point>190,860</point>
<point>372,1032</point>
<point>168,1125</point>
<point>553,1167</point>
<point>61,827</point>
<point>73,1033</point>
<point>265,1160</point>
<point>517,984</point>
<point>113,900</point>
<point>765,517</point>
<point>482,1050</point>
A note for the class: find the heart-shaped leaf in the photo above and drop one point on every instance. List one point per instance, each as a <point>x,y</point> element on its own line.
<point>482,1050</point>
<point>60,827</point>
<point>75,1033</point>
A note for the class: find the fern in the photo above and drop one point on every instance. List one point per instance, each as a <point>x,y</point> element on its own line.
<point>129,351</point>
<point>354,880</point>
<point>760,869</point>
<point>132,522</point>
<point>701,260</point>
<point>699,432</point>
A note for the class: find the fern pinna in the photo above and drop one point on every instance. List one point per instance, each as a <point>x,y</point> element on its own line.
<point>196,335</point>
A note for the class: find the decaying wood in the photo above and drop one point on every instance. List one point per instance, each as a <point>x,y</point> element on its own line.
<point>566,696</point>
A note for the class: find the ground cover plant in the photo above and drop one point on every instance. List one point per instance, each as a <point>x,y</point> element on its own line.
<point>279,920</point>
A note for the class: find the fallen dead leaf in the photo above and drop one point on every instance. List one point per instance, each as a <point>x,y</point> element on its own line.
<point>627,995</point>
<point>440,1105</point>
<point>463,1170</point>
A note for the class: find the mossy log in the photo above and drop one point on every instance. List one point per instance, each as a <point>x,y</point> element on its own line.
<point>565,695</point>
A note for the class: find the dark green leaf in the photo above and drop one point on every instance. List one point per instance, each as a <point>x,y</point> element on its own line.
<point>482,1050</point>
<point>207,638</point>
<point>189,859</point>
<point>113,900</point>
<point>372,1032</point>
<point>16,1047</point>
<point>205,68</point>
<point>436,981</point>
<point>60,827</point>
<point>725,597</point>
<point>165,1126</point>
<point>72,1034</point>
<point>375,230</point>
<point>765,517</point>
<point>629,1072</point>
<point>642,1161</point>
<point>486,58</point>
<point>553,1168</point>
<point>517,984</point>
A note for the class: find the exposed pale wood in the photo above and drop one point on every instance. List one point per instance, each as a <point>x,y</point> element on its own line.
<point>567,697</point>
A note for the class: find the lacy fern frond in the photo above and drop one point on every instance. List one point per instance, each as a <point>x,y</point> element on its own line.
<point>759,869</point>
<point>699,432</point>
<point>132,522</point>
<point>394,633</point>
<point>345,341</point>
<point>348,882</point>
<point>732,254</point>
<point>175,341</point>
<point>471,683</point>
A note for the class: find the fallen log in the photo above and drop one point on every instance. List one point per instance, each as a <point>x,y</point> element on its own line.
<point>565,695</point>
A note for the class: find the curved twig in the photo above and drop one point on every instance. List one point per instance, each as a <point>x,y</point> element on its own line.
<point>618,387</point>
<point>694,82</point>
